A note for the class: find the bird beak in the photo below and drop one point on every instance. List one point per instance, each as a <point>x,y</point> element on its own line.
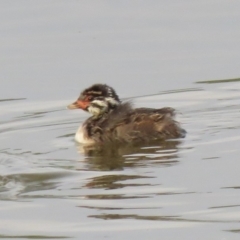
<point>79,104</point>
<point>73,106</point>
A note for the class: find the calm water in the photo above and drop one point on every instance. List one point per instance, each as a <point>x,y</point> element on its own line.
<point>52,187</point>
<point>158,53</point>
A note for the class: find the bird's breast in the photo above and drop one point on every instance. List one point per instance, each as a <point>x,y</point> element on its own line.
<point>81,136</point>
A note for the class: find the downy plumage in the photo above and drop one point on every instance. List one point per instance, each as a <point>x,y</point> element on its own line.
<point>114,121</point>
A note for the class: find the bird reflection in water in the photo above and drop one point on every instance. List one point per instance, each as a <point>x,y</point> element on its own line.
<point>117,157</point>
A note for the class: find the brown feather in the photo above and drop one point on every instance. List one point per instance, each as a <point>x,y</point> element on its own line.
<point>114,121</point>
<point>125,124</point>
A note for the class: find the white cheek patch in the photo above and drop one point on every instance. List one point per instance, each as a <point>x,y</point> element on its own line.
<point>94,110</point>
<point>97,107</point>
<point>99,103</point>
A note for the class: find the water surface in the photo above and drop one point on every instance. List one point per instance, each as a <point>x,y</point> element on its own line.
<point>50,186</point>
<point>157,53</point>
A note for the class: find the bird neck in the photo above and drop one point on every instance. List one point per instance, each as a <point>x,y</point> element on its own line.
<point>98,107</point>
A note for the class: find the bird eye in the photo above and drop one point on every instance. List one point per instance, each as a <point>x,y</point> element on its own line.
<point>89,98</point>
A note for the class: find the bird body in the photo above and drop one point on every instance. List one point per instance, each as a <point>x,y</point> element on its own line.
<point>114,121</point>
